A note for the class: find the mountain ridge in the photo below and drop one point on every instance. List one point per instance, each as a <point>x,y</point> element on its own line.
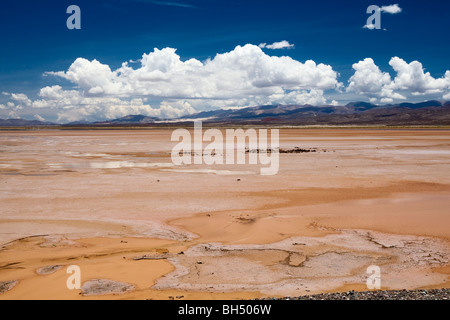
<point>431,112</point>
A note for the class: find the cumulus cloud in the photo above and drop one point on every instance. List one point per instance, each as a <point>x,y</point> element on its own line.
<point>368,78</point>
<point>72,105</point>
<point>91,76</point>
<point>243,76</point>
<point>392,9</point>
<point>13,115</point>
<point>334,103</point>
<point>163,85</point>
<point>369,26</point>
<point>243,71</point>
<point>413,78</point>
<point>300,97</point>
<point>277,45</point>
<point>21,99</point>
<point>38,117</point>
<point>410,79</point>
<point>175,109</point>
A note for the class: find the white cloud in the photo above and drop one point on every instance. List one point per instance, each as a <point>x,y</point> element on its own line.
<point>38,117</point>
<point>72,105</point>
<point>51,93</point>
<point>334,103</point>
<point>21,99</point>
<point>91,76</point>
<point>13,115</point>
<point>242,77</point>
<point>277,45</point>
<point>372,27</point>
<point>369,26</point>
<point>104,108</point>
<point>368,78</point>
<point>175,109</point>
<point>410,79</point>
<point>300,97</point>
<point>392,9</point>
<point>244,71</point>
<point>56,97</point>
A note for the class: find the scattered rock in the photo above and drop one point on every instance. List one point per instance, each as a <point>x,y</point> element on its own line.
<point>7,285</point>
<point>294,150</point>
<point>245,220</point>
<point>153,257</point>
<point>435,294</point>
<point>297,150</point>
<point>296,259</point>
<point>48,269</point>
<point>105,286</point>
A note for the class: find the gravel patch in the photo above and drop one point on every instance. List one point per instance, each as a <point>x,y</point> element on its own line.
<point>105,286</point>
<point>48,269</point>
<point>7,285</point>
<point>434,294</point>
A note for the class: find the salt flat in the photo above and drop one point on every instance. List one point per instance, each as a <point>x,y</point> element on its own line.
<point>99,199</point>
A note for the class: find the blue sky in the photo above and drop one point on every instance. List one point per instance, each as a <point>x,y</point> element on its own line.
<point>50,72</point>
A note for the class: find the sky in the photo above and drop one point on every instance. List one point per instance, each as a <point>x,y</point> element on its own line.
<point>173,58</point>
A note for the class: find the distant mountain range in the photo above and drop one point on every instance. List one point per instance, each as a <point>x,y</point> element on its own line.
<point>355,113</point>
<point>22,123</point>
